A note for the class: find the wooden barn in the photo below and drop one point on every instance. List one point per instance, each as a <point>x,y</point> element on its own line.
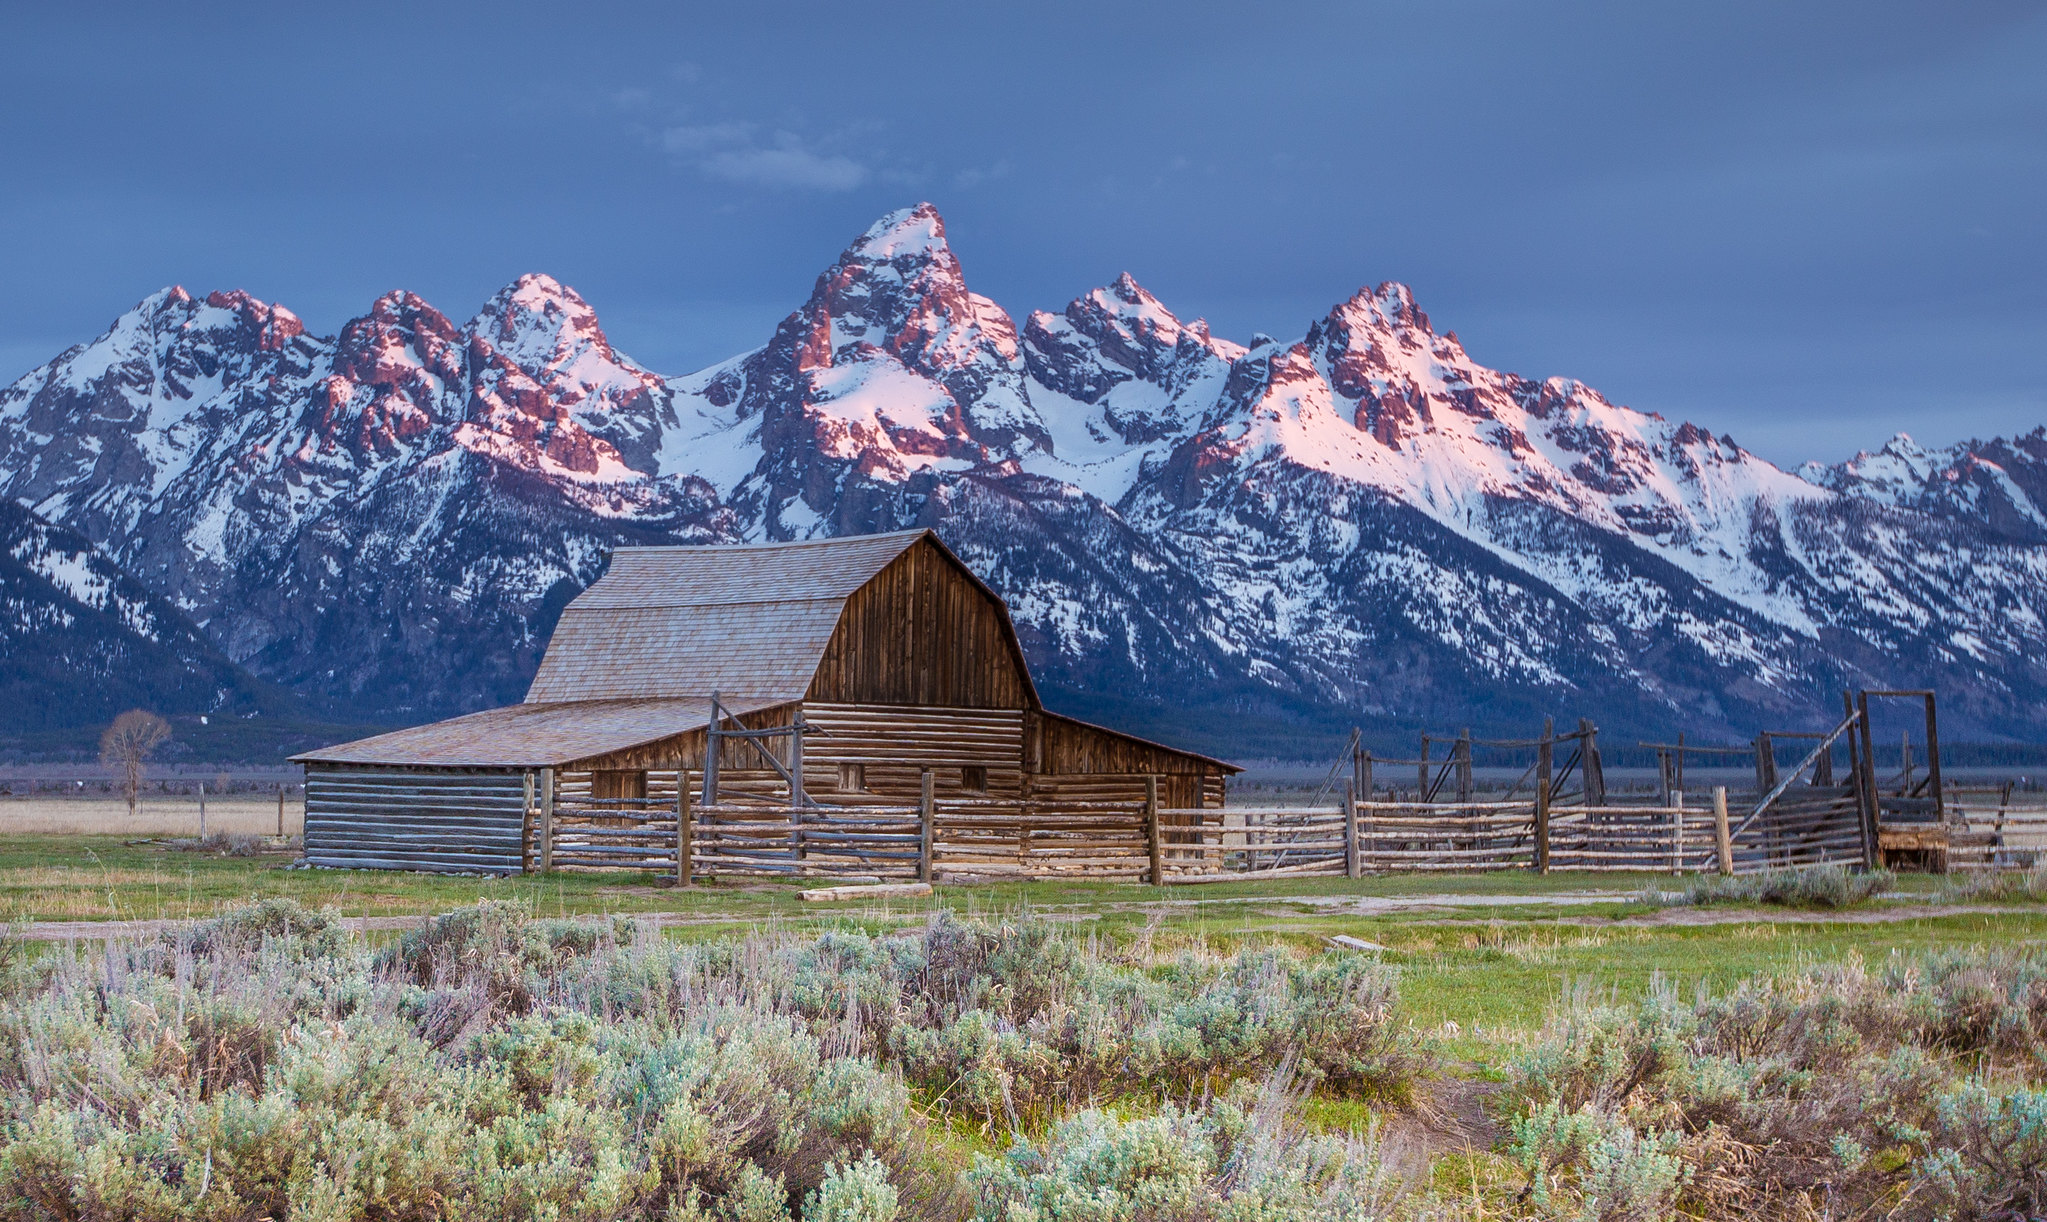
<point>839,671</point>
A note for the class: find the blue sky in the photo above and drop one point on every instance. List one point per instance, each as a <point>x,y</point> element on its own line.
<point>1810,225</point>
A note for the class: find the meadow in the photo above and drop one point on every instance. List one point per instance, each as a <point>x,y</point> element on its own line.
<point>263,1041</point>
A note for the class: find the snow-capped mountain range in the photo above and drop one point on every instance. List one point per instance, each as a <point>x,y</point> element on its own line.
<point>1360,523</point>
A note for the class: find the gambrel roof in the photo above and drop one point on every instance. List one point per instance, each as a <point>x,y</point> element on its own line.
<point>749,621</point>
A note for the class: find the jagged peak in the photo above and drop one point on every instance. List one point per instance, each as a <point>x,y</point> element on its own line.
<point>272,324</point>
<point>536,291</point>
<point>1126,298</point>
<point>403,308</point>
<point>916,233</point>
<point>1389,305</point>
<point>535,318</point>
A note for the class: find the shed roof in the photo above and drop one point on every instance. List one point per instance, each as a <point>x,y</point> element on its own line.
<point>532,735</point>
<point>751,621</point>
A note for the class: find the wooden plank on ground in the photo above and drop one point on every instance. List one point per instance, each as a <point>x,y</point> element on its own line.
<point>868,891</point>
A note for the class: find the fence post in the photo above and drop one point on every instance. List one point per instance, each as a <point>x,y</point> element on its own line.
<point>1464,779</point>
<point>280,812</point>
<point>547,820</point>
<point>1350,832</point>
<point>1677,831</point>
<point>1873,847</point>
<point>927,817</point>
<point>683,847</point>
<point>1933,785</point>
<point>1590,765</point>
<point>1721,840</point>
<point>526,829</point>
<point>202,810</point>
<point>1542,825</point>
<point>711,752</point>
<point>1151,830</point>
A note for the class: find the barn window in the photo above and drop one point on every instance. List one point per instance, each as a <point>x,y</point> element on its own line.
<point>852,778</point>
<point>618,783</point>
<point>974,778</point>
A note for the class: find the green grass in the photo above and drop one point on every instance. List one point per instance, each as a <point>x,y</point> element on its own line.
<point>1479,978</point>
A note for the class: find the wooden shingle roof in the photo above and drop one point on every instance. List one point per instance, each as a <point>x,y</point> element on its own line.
<point>531,735</point>
<point>683,622</point>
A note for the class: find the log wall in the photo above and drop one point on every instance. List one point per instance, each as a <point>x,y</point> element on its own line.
<point>894,745</point>
<point>447,820</point>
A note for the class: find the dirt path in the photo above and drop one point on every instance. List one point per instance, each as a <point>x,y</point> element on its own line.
<point>1716,915</point>
<point>1450,1115</point>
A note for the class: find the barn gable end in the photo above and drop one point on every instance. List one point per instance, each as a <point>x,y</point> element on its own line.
<point>924,631</point>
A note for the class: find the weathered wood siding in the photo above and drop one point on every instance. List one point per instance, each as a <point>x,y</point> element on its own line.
<point>1054,792</point>
<point>689,748</point>
<point>893,745</point>
<point>1076,762</point>
<point>922,633</point>
<point>1061,744</point>
<point>450,820</point>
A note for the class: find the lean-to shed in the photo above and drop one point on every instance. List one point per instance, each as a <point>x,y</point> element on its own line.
<point>887,651</point>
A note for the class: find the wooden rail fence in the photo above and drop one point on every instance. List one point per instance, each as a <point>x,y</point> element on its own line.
<point>1997,835</point>
<point>993,838</point>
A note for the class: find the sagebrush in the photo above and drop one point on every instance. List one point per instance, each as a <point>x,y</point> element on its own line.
<point>493,1066</point>
<point>1908,1092</point>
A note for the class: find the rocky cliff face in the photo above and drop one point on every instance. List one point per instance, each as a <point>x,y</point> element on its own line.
<point>1361,522</point>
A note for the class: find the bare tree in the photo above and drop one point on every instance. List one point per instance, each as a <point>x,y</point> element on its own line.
<point>128,742</point>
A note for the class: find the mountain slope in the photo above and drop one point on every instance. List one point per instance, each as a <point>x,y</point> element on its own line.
<point>1361,522</point>
<point>81,641</point>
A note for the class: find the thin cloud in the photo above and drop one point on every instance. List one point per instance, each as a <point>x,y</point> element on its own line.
<point>974,177</point>
<point>706,137</point>
<point>787,167</point>
<point>738,152</point>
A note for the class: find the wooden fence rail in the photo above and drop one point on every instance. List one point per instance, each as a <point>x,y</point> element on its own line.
<point>993,838</point>
<point>1998,835</point>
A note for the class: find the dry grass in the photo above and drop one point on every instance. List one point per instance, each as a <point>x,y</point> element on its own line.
<point>160,816</point>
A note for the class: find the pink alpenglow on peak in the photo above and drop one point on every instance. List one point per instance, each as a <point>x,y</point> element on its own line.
<point>1358,515</point>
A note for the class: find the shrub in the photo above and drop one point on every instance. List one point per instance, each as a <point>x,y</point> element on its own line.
<point>1066,1029</point>
<point>1996,886</point>
<point>1830,1090</point>
<point>1815,887</point>
<point>229,844</point>
<point>1989,1159</point>
<point>1220,1162</point>
<point>265,1064</point>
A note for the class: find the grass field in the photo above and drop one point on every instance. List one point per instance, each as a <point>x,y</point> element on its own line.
<point>1480,969</point>
<point>155,815</point>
